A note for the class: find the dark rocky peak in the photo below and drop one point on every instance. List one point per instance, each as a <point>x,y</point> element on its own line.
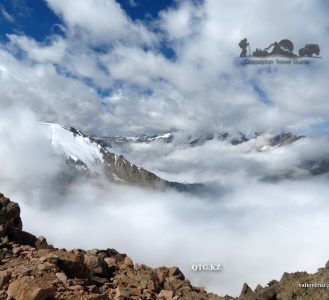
<point>284,138</point>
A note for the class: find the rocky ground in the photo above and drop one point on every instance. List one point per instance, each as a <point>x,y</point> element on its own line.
<point>30,269</point>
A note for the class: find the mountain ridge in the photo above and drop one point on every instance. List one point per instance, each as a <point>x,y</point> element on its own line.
<point>87,156</point>
<point>270,141</point>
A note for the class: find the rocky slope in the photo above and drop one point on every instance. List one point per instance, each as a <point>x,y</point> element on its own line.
<point>30,269</point>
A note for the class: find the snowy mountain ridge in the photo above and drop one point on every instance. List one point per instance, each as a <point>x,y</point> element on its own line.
<point>87,156</point>
<point>75,146</point>
<point>267,142</point>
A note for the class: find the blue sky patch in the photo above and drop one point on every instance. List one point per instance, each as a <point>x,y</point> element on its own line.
<point>29,17</point>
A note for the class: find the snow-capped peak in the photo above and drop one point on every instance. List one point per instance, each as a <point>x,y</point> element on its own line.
<point>75,146</point>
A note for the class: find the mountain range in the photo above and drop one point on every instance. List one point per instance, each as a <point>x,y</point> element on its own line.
<point>274,140</point>
<point>86,156</point>
<point>93,156</point>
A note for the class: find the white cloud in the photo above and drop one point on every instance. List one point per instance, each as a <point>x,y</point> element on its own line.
<point>182,22</point>
<point>51,52</point>
<point>201,87</point>
<point>103,20</point>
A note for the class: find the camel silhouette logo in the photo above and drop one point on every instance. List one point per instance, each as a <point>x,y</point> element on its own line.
<point>284,48</point>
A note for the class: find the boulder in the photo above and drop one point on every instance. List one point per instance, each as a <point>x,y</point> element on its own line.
<point>21,237</point>
<point>72,264</point>
<point>27,288</point>
<point>165,295</point>
<point>96,265</point>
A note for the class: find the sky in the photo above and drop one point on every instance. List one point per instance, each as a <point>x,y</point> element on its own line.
<point>129,67</point>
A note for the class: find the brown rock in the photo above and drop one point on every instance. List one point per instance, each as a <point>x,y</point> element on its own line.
<point>27,288</point>
<point>122,293</point>
<point>272,282</point>
<point>21,271</point>
<point>72,264</point>
<point>128,262</point>
<point>46,266</point>
<point>42,239</point>
<point>247,293</point>
<point>41,243</point>
<point>258,288</point>
<point>61,277</point>
<point>17,250</point>
<point>110,261</point>
<point>162,273</point>
<point>96,265</point>
<point>165,295</point>
<point>50,258</point>
<point>21,237</point>
<point>104,296</point>
<point>75,288</point>
<point>4,278</point>
<point>174,271</point>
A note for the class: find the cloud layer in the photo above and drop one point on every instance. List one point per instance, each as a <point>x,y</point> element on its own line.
<point>107,65</point>
<point>256,229</point>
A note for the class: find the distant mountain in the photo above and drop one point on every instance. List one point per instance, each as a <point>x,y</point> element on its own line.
<point>272,141</point>
<point>91,156</point>
<point>119,140</point>
<point>87,156</point>
<point>258,141</point>
<point>285,138</point>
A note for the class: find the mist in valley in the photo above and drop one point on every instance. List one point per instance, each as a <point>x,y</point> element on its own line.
<point>255,228</point>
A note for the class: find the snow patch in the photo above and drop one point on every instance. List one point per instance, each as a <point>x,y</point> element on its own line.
<point>76,147</point>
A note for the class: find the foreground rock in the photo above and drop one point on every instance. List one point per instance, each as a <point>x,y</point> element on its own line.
<point>30,269</point>
<point>299,286</point>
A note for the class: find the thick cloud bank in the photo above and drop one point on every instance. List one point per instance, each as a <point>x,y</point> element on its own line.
<point>255,228</point>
